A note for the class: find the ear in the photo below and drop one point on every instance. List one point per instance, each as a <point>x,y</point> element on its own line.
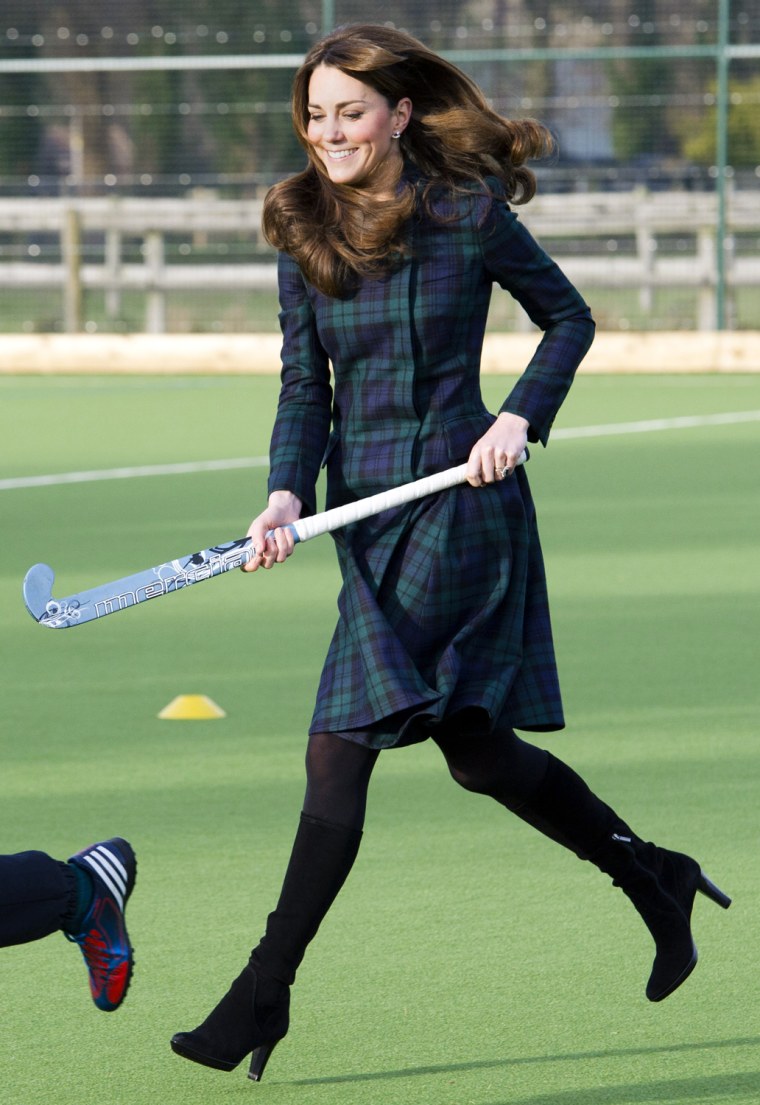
<point>402,114</point>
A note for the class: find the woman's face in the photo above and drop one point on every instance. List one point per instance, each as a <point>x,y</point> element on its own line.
<point>350,130</point>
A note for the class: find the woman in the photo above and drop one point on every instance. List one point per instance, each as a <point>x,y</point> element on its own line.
<point>390,241</point>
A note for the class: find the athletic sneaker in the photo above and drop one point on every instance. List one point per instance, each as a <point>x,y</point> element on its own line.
<point>103,938</point>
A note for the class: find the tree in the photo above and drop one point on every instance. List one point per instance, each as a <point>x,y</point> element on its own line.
<point>699,136</point>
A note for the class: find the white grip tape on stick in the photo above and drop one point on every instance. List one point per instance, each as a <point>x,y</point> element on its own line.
<point>329,520</point>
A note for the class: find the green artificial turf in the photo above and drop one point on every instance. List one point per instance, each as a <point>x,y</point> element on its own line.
<point>468,961</point>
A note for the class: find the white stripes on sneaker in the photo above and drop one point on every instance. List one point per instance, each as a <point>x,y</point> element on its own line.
<point>110,869</point>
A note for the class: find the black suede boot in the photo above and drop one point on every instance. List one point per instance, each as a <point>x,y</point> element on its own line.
<point>253,1015</point>
<point>323,855</point>
<point>661,884</point>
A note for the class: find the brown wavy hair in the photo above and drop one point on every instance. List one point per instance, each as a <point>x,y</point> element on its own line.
<point>339,234</point>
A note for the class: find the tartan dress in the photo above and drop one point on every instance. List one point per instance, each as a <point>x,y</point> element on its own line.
<point>443,610</point>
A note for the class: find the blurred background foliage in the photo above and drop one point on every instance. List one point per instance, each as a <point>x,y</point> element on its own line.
<point>620,117</point>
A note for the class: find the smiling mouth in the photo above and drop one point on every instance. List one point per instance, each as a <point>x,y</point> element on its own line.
<point>340,155</point>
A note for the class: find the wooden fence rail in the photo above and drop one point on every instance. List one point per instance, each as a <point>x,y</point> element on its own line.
<point>573,224</point>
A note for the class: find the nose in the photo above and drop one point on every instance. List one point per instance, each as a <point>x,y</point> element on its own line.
<point>333,131</point>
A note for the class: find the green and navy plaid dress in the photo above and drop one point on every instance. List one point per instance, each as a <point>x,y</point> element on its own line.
<point>443,609</point>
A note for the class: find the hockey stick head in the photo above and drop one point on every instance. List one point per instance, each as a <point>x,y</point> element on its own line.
<point>38,592</point>
<point>39,601</point>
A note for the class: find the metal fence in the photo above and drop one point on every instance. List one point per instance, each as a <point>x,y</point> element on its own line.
<point>123,143</point>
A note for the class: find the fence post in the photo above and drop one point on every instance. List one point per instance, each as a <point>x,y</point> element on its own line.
<point>729,285</point>
<point>646,246</point>
<point>71,252</point>
<point>708,244</point>
<point>328,16</point>
<point>113,273</point>
<point>155,300</point>
<point>721,156</point>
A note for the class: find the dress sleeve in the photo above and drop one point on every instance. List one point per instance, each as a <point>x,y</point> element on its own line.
<point>520,266</point>
<point>304,407</point>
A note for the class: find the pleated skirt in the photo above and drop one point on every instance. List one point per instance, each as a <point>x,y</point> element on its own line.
<point>443,618</point>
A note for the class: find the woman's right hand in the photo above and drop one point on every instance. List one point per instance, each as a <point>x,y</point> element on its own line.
<point>283,508</point>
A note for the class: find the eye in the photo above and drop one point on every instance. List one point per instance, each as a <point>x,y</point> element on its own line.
<point>353,115</point>
<point>315,118</point>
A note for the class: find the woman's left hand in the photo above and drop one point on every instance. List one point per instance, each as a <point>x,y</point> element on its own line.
<point>271,538</point>
<point>495,456</point>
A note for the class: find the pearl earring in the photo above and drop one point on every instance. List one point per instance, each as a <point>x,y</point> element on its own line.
<point>396,134</point>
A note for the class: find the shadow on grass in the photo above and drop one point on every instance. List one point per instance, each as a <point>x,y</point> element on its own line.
<point>706,1088</point>
<point>714,1087</point>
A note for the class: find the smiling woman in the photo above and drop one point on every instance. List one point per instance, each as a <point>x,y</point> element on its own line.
<point>367,102</point>
<point>391,242</point>
<point>355,131</point>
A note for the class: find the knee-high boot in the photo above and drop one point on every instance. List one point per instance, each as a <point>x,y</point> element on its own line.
<point>253,1015</point>
<point>660,883</point>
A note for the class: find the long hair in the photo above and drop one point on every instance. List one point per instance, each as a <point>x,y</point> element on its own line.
<point>339,234</point>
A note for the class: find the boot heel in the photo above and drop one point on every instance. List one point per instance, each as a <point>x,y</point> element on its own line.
<point>231,1032</point>
<point>710,890</point>
<point>259,1060</point>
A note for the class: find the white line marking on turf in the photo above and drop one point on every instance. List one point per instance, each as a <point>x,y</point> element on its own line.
<point>610,429</point>
<point>685,422</point>
<point>185,468</point>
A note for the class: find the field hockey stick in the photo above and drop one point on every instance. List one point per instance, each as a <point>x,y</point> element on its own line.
<point>175,575</point>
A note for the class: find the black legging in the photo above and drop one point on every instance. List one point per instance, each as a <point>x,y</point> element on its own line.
<point>498,764</point>
<point>37,896</point>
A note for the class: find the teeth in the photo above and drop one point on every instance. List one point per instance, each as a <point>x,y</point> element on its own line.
<point>339,155</point>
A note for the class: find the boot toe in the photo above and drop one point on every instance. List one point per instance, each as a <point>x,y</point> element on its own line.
<point>667,976</point>
<point>184,1044</point>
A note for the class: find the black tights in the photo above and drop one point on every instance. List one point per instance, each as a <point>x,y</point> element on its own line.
<point>526,780</point>
<point>338,772</point>
<point>499,765</point>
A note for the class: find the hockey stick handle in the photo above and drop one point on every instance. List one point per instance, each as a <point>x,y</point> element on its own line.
<point>328,520</point>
